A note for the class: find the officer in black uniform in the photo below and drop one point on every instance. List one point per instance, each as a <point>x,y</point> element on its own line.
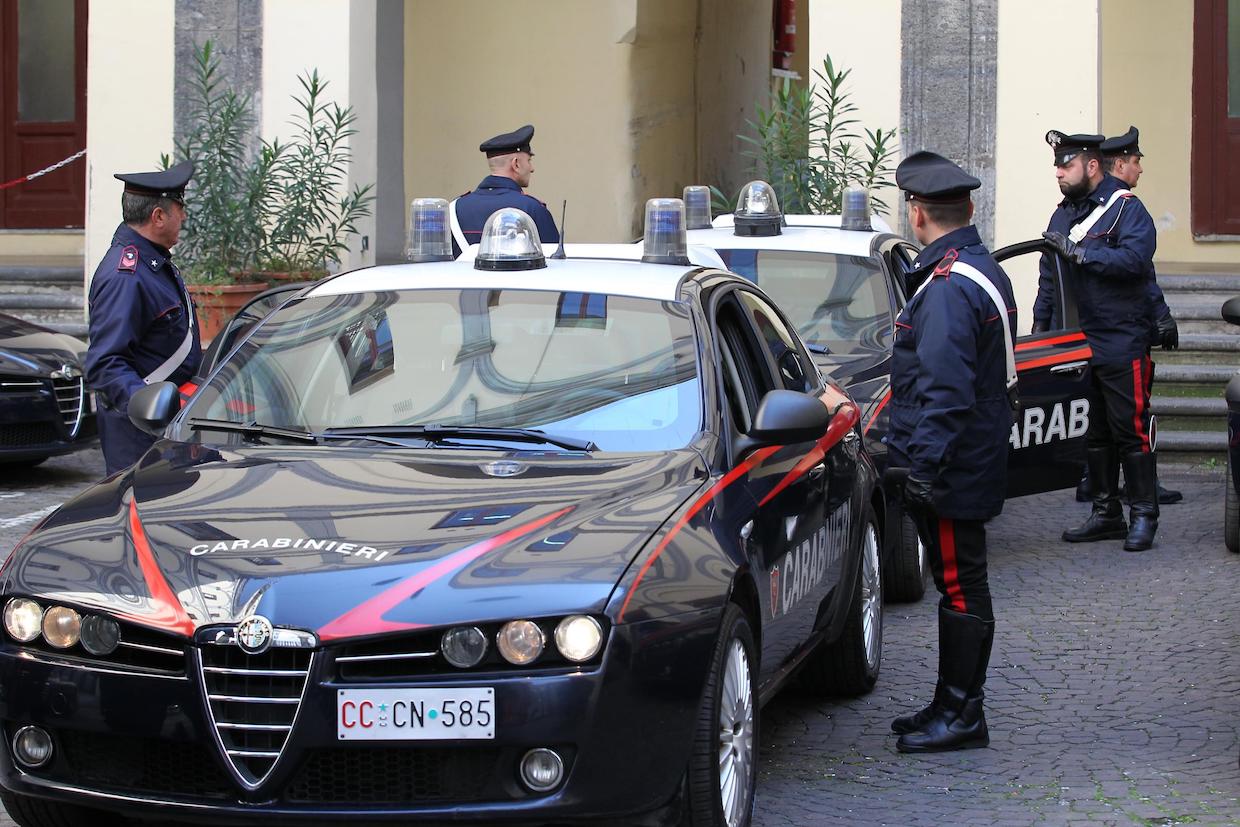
<point>1106,238</point>
<point>142,324</point>
<point>953,384</point>
<point>511,161</point>
<point>1121,156</point>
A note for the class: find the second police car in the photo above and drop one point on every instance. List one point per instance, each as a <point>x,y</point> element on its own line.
<point>502,540</point>
<point>842,281</point>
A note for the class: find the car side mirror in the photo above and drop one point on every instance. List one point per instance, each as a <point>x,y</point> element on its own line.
<point>786,417</point>
<point>1231,310</point>
<point>153,407</point>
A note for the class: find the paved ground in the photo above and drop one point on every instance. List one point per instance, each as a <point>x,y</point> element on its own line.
<point>1113,696</point>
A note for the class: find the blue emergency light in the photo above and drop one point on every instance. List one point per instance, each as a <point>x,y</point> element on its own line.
<point>697,207</point>
<point>665,241</point>
<point>430,237</point>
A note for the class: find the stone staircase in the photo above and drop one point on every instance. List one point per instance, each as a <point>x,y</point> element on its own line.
<point>47,291</point>
<point>1189,383</point>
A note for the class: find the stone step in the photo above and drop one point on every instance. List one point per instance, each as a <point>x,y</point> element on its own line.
<point>1212,327</point>
<point>1184,356</point>
<point>40,301</point>
<point>19,274</point>
<point>1192,282</point>
<point>1214,342</point>
<point>1192,441</point>
<point>1189,406</point>
<point>1197,306</point>
<point>1211,374</point>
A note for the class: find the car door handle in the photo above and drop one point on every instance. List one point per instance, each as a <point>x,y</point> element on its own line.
<point>1070,369</point>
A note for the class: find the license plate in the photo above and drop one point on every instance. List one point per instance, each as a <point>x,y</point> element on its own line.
<point>448,714</point>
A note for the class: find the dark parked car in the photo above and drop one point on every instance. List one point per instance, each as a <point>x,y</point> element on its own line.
<point>45,409</point>
<point>443,543</point>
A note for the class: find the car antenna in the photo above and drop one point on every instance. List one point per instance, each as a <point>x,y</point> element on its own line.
<point>559,251</point>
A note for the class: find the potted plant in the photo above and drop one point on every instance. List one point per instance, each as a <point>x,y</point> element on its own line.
<point>265,214</point>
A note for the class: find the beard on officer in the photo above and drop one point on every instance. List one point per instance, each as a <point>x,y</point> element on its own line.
<point>953,384</point>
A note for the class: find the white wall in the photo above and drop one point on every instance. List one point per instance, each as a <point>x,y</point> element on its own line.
<point>335,38</point>
<point>1048,79</point>
<point>128,108</point>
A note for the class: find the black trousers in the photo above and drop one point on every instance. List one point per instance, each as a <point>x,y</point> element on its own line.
<point>957,552</point>
<point>1119,407</point>
<point>122,443</point>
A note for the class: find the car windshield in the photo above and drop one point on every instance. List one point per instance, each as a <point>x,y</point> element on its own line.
<point>617,371</point>
<point>836,302</point>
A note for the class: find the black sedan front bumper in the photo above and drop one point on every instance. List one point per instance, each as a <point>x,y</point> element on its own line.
<point>42,417</point>
<point>144,745</point>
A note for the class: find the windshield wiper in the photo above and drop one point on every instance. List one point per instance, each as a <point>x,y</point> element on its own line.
<point>438,432</point>
<point>252,430</point>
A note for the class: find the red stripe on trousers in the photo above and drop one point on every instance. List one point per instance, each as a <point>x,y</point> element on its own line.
<point>1138,399</point>
<point>951,577</point>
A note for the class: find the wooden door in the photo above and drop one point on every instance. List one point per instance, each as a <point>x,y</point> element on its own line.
<point>42,111</point>
<point>1215,181</point>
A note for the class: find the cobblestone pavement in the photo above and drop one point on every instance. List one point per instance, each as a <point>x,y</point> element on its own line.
<point>1112,699</point>
<point>1112,696</point>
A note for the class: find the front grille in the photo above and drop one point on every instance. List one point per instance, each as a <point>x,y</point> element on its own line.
<point>20,384</point>
<point>397,775</point>
<point>138,765</point>
<point>253,700</point>
<point>28,435</point>
<point>69,394</point>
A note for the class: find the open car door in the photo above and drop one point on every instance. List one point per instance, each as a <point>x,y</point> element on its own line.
<point>1047,444</point>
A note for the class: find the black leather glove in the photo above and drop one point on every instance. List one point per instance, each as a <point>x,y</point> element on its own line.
<point>1065,246</point>
<point>1168,333</point>
<point>918,493</point>
<point>1039,327</point>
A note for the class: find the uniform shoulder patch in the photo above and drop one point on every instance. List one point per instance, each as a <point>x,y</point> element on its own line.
<point>944,267</point>
<point>129,260</point>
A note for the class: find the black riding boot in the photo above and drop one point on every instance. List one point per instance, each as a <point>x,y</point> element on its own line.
<point>1084,491</point>
<point>914,722</point>
<point>1141,471</point>
<point>956,720</point>
<point>1106,520</point>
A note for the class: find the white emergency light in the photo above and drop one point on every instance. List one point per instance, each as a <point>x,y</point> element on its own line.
<point>697,207</point>
<point>510,242</point>
<point>757,211</point>
<point>665,241</point>
<point>855,214</point>
<point>430,236</point>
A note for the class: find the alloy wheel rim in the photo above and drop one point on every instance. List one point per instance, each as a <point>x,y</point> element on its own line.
<point>871,597</point>
<point>736,741</point>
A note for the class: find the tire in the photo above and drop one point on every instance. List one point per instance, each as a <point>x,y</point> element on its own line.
<point>1231,513</point>
<point>729,704</point>
<point>906,581</point>
<point>849,666</point>
<point>28,811</point>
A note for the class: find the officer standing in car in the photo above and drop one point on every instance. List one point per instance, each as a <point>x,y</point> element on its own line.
<point>1122,156</point>
<point>1106,239</point>
<point>142,324</point>
<point>511,162</point>
<point>953,383</point>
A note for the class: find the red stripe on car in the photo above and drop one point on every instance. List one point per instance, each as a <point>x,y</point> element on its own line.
<point>1058,358</point>
<point>1056,340</point>
<point>169,613</point>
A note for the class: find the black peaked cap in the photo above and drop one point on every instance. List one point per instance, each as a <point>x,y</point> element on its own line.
<point>517,140</point>
<point>1125,144</point>
<point>167,183</point>
<point>1067,147</point>
<point>929,176</point>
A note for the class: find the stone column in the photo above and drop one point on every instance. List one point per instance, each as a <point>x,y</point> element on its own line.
<point>235,28</point>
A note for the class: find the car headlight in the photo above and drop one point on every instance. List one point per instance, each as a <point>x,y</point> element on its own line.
<point>578,637</point>
<point>520,642</point>
<point>62,627</point>
<point>22,619</point>
<point>463,646</point>
<point>100,635</point>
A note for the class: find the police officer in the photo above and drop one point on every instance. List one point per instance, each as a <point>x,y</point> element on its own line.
<point>1122,156</point>
<point>511,161</point>
<point>953,383</point>
<point>1106,238</point>
<point>142,324</point>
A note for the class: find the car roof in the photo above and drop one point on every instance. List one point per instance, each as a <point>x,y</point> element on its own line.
<point>813,233</point>
<point>703,255</point>
<point>617,277</point>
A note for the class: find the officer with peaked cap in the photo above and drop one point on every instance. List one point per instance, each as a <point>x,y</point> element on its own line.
<point>142,323</point>
<point>953,383</point>
<point>1106,239</point>
<point>511,162</point>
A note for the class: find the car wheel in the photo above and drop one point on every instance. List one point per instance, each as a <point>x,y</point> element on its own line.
<point>723,768</point>
<point>849,665</point>
<point>909,564</point>
<point>28,811</point>
<point>1231,513</point>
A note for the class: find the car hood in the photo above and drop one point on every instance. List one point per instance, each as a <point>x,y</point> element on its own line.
<point>347,542</point>
<point>27,349</point>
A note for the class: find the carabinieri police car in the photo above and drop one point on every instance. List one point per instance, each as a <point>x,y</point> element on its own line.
<point>842,279</point>
<point>509,539</point>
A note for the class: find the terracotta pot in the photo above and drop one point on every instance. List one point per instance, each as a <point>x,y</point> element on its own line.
<point>275,278</point>
<point>215,304</point>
